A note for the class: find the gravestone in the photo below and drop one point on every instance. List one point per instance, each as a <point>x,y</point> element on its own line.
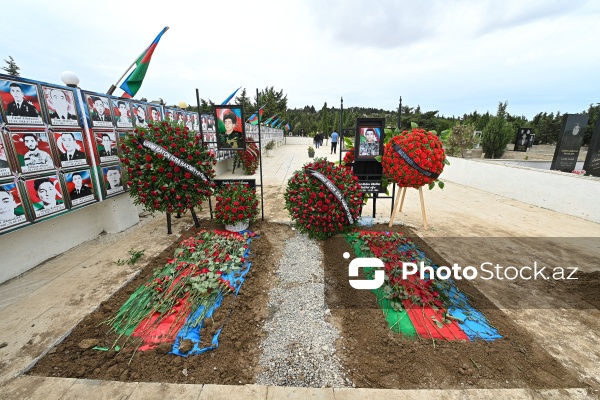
<point>592,161</point>
<point>524,136</point>
<point>569,142</point>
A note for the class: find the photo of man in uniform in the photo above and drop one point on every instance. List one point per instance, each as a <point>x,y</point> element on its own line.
<point>3,158</point>
<point>107,150</point>
<point>20,107</point>
<point>35,156</point>
<point>230,139</point>
<point>80,189</point>
<point>98,113</point>
<point>70,144</point>
<point>60,107</point>
<point>370,146</point>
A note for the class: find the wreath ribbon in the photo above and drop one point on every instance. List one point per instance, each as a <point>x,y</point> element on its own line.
<point>413,164</point>
<point>159,150</point>
<point>335,191</point>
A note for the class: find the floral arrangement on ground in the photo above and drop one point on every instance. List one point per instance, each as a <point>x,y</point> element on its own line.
<point>158,182</point>
<point>235,202</point>
<point>314,207</point>
<point>250,158</point>
<point>414,158</point>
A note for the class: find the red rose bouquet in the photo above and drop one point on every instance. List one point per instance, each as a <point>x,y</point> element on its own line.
<point>235,202</point>
<point>155,179</point>
<point>250,158</point>
<point>348,159</point>
<point>313,205</point>
<point>414,158</point>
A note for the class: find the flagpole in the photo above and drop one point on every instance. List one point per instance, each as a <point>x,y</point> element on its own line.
<point>113,87</point>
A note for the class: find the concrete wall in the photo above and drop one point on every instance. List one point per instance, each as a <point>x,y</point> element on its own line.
<point>537,164</point>
<point>25,248</point>
<point>559,191</point>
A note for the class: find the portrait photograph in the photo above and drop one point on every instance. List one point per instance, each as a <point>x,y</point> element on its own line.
<point>106,144</point>
<point>20,103</point>
<point>155,113</point>
<point>180,117</point>
<point>113,179</point>
<point>45,194</point>
<point>230,128</point>
<point>12,210</point>
<point>99,110</point>
<point>170,114</point>
<point>79,187</point>
<point>522,139</point>
<point>195,122</point>
<point>122,113</point>
<point>140,115</point>
<point>71,150</point>
<point>32,150</point>
<point>61,106</point>
<point>368,142</point>
<point>4,159</point>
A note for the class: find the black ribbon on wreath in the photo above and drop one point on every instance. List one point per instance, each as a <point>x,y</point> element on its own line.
<point>413,164</point>
<point>335,191</point>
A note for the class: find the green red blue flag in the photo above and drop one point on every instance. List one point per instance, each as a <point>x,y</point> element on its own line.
<point>254,119</point>
<point>132,84</point>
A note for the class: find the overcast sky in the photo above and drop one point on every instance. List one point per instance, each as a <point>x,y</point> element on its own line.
<point>455,56</point>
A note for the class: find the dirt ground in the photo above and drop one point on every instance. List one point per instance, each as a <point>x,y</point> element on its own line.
<point>372,355</point>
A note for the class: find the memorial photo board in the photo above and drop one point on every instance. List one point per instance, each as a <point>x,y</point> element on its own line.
<point>45,195</point>
<point>79,187</point>
<point>71,148</point>
<point>231,129</point>
<point>32,151</point>
<point>522,140</point>
<point>20,103</point>
<point>5,167</point>
<point>61,106</point>
<point>106,144</point>
<point>140,113</point>
<point>113,180</point>
<point>12,209</point>
<point>99,109</point>
<point>155,113</point>
<point>122,112</point>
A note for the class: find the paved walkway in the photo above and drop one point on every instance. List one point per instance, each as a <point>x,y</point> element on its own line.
<point>41,307</point>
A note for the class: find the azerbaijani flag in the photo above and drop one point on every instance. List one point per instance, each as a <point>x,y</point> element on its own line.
<point>269,120</point>
<point>230,97</point>
<point>254,120</point>
<point>287,126</point>
<point>274,122</point>
<point>132,84</point>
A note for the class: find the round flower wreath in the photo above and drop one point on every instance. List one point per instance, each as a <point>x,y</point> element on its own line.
<point>250,158</point>
<point>421,149</point>
<point>314,208</point>
<point>235,202</point>
<point>157,182</point>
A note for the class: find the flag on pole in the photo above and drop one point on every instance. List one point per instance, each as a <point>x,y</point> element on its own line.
<point>274,122</point>
<point>254,119</point>
<point>132,84</point>
<point>269,120</point>
<point>230,97</point>
<point>287,126</point>
<point>279,124</point>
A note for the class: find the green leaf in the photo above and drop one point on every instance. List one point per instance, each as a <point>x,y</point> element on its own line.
<point>378,158</point>
<point>348,143</point>
<point>446,162</point>
<point>431,185</point>
<point>434,132</point>
<point>441,184</point>
<point>414,125</point>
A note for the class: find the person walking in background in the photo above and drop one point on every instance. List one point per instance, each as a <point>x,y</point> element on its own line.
<point>334,140</point>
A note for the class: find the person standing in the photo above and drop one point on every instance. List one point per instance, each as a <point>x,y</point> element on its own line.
<point>334,141</point>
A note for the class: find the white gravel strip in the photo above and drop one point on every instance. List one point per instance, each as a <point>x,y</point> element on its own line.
<point>299,349</point>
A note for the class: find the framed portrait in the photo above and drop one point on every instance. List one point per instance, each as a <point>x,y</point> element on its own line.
<point>189,120</point>
<point>113,179</point>
<point>231,129</point>
<point>4,158</point>
<point>180,117</point>
<point>61,106</point>
<point>79,187</point>
<point>45,195</point>
<point>99,110</point>
<point>170,114</point>
<point>71,149</point>
<point>32,151</point>
<point>196,122</point>
<point>368,142</point>
<point>20,103</point>
<point>155,113</point>
<point>12,209</point>
<point>530,140</point>
<point>106,144</point>
<point>122,113</point>
<point>140,115</point>
<point>522,140</point>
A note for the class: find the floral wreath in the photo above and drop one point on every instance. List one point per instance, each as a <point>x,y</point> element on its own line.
<point>160,181</point>
<point>313,205</point>
<point>235,202</point>
<point>250,158</point>
<point>414,158</point>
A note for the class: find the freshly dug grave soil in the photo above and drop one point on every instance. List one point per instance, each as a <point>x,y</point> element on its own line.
<point>372,355</point>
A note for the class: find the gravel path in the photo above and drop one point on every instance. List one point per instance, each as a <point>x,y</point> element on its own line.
<point>299,349</point>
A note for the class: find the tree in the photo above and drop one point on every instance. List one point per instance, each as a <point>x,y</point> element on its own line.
<point>325,120</point>
<point>460,140</point>
<point>496,134</point>
<point>11,67</point>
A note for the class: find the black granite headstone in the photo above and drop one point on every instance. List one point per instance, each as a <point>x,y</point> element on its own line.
<point>522,140</point>
<point>592,161</point>
<point>569,142</point>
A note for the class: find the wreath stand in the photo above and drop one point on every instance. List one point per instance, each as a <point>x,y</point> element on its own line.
<point>399,204</point>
